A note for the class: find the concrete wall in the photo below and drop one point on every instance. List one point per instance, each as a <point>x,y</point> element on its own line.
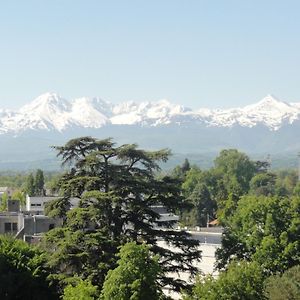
<point>13,205</point>
<point>12,218</point>
<point>40,224</point>
<point>37,204</point>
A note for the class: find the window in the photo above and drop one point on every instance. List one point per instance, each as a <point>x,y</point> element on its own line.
<point>7,227</point>
<point>15,226</point>
<point>10,227</point>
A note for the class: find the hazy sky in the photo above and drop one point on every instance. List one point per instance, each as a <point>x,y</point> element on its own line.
<point>196,53</point>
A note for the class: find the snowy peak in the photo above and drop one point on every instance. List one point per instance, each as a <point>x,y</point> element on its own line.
<point>271,112</point>
<point>45,103</point>
<point>268,104</point>
<point>146,113</point>
<point>270,100</point>
<point>50,111</point>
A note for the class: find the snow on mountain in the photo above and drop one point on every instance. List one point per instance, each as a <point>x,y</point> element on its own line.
<point>88,112</point>
<point>45,112</point>
<point>269,111</point>
<point>52,112</point>
<point>146,113</point>
<point>4,112</point>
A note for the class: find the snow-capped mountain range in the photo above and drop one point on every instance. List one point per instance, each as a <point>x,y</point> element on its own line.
<point>52,112</point>
<point>269,126</point>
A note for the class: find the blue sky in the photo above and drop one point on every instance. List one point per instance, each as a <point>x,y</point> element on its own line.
<point>196,53</point>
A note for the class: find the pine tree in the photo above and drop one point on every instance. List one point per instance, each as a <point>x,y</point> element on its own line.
<point>185,166</point>
<point>118,189</point>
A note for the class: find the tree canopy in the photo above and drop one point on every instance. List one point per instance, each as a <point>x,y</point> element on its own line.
<point>136,276</point>
<point>118,191</point>
<point>265,230</point>
<point>242,280</point>
<point>80,290</point>
<point>285,286</point>
<point>23,272</point>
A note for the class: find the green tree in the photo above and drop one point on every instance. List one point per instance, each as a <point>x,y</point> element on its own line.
<point>12,179</point>
<point>296,191</point>
<point>29,187</point>
<point>82,290</point>
<point>58,208</point>
<point>265,230</point>
<point>118,191</point>
<point>4,200</point>
<point>203,205</point>
<point>204,189</point>
<point>263,184</point>
<point>186,166</point>
<point>54,184</point>
<point>287,179</point>
<point>76,251</point>
<point>286,286</point>
<point>23,272</point>
<point>19,195</point>
<point>179,172</point>
<point>242,280</point>
<point>39,183</point>
<point>136,276</point>
<point>193,177</point>
<point>237,170</point>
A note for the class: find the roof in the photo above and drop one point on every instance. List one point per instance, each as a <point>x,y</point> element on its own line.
<point>214,222</point>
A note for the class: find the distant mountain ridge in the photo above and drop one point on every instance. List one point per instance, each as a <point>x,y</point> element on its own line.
<point>52,112</point>
<point>269,126</point>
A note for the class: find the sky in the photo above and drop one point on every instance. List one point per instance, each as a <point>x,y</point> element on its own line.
<point>211,53</point>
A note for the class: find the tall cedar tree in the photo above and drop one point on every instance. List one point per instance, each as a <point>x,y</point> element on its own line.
<point>117,188</point>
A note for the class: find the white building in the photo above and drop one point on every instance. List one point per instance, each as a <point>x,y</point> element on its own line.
<point>36,205</point>
<point>25,225</point>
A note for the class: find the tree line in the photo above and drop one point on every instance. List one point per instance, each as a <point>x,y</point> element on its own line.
<point>259,210</point>
<point>109,247</point>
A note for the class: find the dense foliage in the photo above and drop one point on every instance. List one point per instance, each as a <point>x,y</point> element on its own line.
<point>260,213</point>
<point>80,290</point>
<point>263,229</point>
<point>215,193</point>
<point>23,272</point>
<point>118,191</point>
<point>286,286</point>
<point>136,276</point>
<point>111,245</point>
<point>242,280</point>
